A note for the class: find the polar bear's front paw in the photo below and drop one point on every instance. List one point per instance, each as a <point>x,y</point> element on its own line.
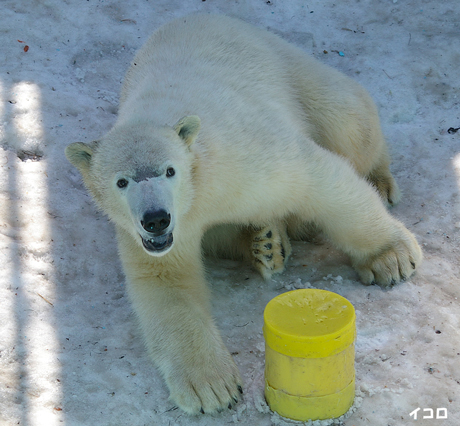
<point>395,263</point>
<point>270,249</point>
<point>208,388</point>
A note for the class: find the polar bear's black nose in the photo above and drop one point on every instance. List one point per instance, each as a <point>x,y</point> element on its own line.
<point>155,221</point>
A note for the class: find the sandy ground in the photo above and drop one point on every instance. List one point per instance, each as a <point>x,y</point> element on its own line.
<point>70,352</point>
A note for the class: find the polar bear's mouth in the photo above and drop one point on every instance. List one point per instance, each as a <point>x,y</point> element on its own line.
<point>158,244</point>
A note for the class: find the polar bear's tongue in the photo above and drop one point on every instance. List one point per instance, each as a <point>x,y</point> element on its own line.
<point>159,243</point>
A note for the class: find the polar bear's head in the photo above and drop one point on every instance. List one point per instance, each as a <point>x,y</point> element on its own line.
<point>141,176</point>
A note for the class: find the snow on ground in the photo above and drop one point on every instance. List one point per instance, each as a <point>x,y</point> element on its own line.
<point>70,352</point>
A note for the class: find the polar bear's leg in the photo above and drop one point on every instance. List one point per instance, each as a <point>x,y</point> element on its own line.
<point>227,241</point>
<point>171,300</point>
<point>380,178</point>
<point>267,248</point>
<point>352,214</point>
<point>299,230</point>
<point>343,118</point>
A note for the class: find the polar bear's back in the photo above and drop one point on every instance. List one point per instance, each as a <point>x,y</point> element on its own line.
<point>212,65</point>
<point>212,45</point>
<point>245,84</point>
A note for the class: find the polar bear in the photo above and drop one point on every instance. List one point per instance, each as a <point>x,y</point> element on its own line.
<point>229,134</point>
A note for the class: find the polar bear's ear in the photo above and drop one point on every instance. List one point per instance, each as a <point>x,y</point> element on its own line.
<point>79,154</point>
<point>188,127</point>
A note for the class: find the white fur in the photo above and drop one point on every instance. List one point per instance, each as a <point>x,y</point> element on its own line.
<point>283,141</point>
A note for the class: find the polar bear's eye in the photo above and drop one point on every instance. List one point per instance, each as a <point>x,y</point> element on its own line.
<point>170,172</point>
<point>122,183</point>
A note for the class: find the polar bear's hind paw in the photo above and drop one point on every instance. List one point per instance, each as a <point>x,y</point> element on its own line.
<point>270,249</point>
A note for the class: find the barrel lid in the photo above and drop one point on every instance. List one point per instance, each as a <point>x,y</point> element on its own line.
<point>309,323</point>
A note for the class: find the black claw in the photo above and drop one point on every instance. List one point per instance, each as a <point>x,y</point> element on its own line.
<point>202,411</point>
<point>268,256</point>
<point>268,246</point>
<point>240,389</point>
<point>230,406</point>
<point>235,399</point>
<point>413,265</point>
<point>269,234</point>
<point>283,253</point>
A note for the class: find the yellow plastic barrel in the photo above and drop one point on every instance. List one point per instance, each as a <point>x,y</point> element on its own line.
<point>309,354</point>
